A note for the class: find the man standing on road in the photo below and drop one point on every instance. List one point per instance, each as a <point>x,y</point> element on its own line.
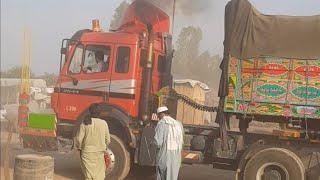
<point>92,140</point>
<point>169,140</point>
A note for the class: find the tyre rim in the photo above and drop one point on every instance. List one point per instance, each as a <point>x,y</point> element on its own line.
<point>109,159</point>
<point>272,171</point>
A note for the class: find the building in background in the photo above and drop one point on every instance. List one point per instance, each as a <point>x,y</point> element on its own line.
<point>10,88</point>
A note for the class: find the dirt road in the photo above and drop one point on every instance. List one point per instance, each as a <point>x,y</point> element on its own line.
<point>67,167</point>
<point>67,164</point>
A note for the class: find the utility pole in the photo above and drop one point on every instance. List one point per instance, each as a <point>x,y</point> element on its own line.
<point>23,98</point>
<point>173,13</point>
<point>25,66</point>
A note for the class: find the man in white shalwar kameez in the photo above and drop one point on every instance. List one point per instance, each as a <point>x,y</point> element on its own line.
<point>169,140</point>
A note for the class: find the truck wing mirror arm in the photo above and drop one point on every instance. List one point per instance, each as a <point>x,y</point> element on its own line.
<point>63,50</point>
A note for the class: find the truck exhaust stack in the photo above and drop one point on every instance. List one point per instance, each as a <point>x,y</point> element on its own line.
<point>147,79</point>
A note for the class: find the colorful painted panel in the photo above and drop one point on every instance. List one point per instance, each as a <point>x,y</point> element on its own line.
<point>309,95</point>
<point>272,67</point>
<point>274,86</point>
<point>306,70</point>
<point>270,91</point>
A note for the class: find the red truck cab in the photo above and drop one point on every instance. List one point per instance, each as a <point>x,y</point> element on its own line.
<point>118,83</point>
<point>120,70</point>
<point>124,52</point>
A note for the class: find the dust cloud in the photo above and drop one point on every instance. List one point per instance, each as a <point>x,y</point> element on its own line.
<point>182,7</point>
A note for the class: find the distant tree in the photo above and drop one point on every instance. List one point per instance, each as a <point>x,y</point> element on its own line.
<point>50,78</point>
<point>206,69</point>
<point>14,72</point>
<point>118,14</point>
<point>187,62</point>
<point>187,50</point>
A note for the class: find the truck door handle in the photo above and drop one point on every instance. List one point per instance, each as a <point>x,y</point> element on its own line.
<point>74,80</point>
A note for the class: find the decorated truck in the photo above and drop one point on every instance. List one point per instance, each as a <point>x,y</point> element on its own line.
<point>270,73</point>
<point>271,67</point>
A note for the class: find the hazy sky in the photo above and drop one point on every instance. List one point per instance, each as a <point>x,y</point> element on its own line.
<point>52,20</point>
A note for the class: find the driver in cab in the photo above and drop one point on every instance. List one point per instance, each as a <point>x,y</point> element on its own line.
<point>99,66</point>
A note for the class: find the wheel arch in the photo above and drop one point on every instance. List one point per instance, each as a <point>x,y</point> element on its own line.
<point>118,121</point>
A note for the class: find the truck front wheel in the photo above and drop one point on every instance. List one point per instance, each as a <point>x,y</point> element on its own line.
<point>117,159</point>
<point>274,164</point>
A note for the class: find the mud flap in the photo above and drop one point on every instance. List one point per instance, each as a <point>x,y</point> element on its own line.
<point>147,150</point>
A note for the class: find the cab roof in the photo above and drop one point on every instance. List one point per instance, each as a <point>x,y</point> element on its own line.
<point>110,37</point>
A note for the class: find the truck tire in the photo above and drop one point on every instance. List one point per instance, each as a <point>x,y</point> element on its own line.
<point>120,159</point>
<point>278,163</point>
<point>198,143</point>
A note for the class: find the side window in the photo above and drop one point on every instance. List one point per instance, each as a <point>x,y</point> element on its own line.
<point>161,64</point>
<point>97,59</point>
<point>75,65</point>
<point>123,60</point>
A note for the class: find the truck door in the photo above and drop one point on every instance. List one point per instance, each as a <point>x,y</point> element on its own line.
<point>123,83</point>
<point>86,80</point>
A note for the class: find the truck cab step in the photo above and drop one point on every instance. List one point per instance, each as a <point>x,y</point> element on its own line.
<point>192,157</point>
<point>224,163</point>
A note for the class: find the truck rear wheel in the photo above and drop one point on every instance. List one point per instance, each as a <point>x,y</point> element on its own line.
<point>117,159</point>
<point>274,164</point>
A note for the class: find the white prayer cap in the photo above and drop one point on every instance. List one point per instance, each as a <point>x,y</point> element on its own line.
<point>162,109</point>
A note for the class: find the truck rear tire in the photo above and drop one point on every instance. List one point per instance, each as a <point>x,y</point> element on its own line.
<point>275,163</point>
<point>120,159</point>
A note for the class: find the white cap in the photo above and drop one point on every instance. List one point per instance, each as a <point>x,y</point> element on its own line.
<point>162,109</point>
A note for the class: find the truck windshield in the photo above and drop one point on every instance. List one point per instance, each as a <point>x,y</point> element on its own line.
<point>75,65</point>
<point>97,59</point>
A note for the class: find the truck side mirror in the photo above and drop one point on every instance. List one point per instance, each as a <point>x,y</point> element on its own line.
<point>63,50</point>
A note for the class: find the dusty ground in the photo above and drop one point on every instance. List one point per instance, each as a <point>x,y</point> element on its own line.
<point>67,164</point>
